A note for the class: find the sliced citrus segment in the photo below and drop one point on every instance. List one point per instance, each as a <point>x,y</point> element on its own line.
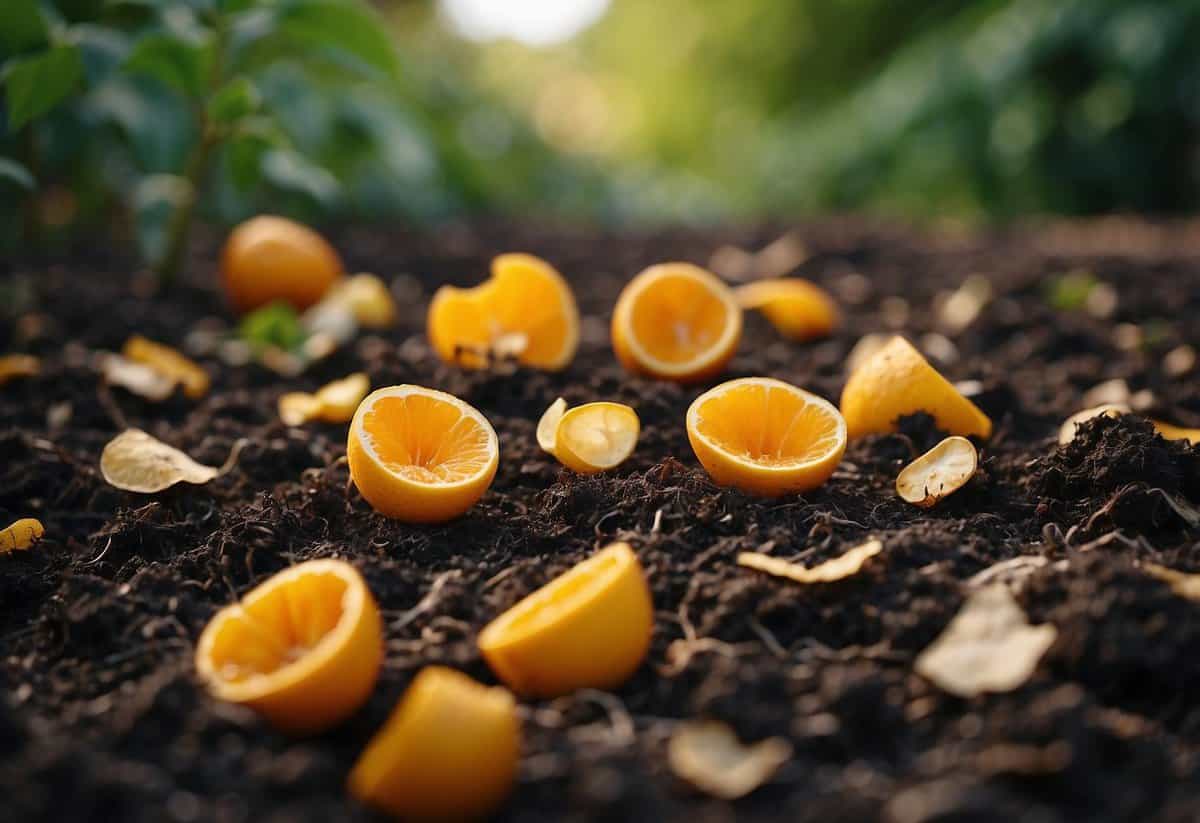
<point>270,258</point>
<point>421,455</point>
<point>589,438</point>
<point>547,427</point>
<point>676,321</point>
<point>938,473</point>
<point>798,309</point>
<point>169,363</point>
<point>765,436</point>
<point>526,310</point>
<point>896,381</point>
<point>21,535</point>
<point>449,751</point>
<point>1170,431</point>
<point>303,648</point>
<point>587,628</point>
<point>1071,425</point>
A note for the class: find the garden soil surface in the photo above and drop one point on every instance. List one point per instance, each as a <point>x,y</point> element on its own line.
<point>102,716</point>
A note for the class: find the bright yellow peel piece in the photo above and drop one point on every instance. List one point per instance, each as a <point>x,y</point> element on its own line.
<point>1172,432</point>
<point>335,402</point>
<point>798,309</point>
<point>14,366</point>
<point>938,473</point>
<point>589,438</point>
<point>587,628</point>
<point>449,751</point>
<point>21,535</point>
<point>169,363</point>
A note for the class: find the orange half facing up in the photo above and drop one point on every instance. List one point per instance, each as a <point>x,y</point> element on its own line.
<point>303,648</point>
<point>525,310</point>
<point>421,455</point>
<point>765,436</point>
<point>448,752</point>
<point>676,321</point>
<point>896,381</point>
<point>588,628</point>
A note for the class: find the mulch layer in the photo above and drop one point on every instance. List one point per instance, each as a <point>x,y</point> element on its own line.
<point>102,717</point>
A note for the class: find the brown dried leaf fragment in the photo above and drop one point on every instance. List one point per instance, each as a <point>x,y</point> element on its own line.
<point>709,755</point>
<point>989,646</point>
<point>838,568</point>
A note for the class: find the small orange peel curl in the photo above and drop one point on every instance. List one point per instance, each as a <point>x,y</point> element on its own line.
<point>449,751</point>
<point>589,438</point>
<point>302,648</point>
<point>170,363</point>
<point>588,628</point>
<point>21,535</point>
<point>798,309</point>
<point>334,402</point>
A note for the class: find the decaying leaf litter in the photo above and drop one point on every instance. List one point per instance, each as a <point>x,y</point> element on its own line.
<point>97,667</point>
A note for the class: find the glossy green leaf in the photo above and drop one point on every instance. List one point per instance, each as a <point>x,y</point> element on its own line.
<point>175,62</point>
<point>275,324</point>
<point>155,201</point>
<point>246,147</point>
<point>38,83</point>
<point>347,27</point>
<point>238,99</point>
<point>21,27</point>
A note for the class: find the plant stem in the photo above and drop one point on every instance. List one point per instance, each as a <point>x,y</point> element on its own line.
<point>33,219</point>
<point>180,228</point>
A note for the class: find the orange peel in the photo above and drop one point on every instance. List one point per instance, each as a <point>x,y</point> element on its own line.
<point>798,309</point>
<point>938,473</point>
<point>170,363</point>
<point>589,438</point>
<point>21,535</point>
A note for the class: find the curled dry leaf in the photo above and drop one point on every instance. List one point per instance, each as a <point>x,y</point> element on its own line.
<point>1012,572</point>
<point>831,570</point>
<point>170,363</point>
<point>989,646</point>
<point>21,535</point>
<point>938,473</point>
<point>1071,426</point>
<point>15,366</point>
<point>1182,583</point>
<point>335,402</point>
<point>709,755</point>
<point>547,427</point>
<point>136,378</point>
<point>136,462</point>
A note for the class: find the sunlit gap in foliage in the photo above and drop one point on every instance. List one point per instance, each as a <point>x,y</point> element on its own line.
<point>532,22</point>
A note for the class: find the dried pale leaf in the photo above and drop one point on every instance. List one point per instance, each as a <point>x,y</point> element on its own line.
<point>547,427</point>
<point>1109,393</point>
<point>340,399</point>
<point>938,473</point>
<point>297,408</point>
<point>15,366</point>
<point>281,361</point>
<point>169,363</point>
<point>1179,361</point>
<point>136,378</point>
<point>709,755</point>
<point>319,346</point>
<point>1071,426</point>
<point>732,263</point>
<point>1172,432</point>
<point>838,568</point>
<point>332,318</point>
<point>1182,583</point>
<point>781,256</point>
<point>136,462</point>
<point>1012,572</point>
<point>989,646</point>
<point>962,307</point>
<point>21,535</point>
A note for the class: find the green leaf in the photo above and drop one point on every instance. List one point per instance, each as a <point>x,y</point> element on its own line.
<point>37,84</point>
<point>292,171</point>
<point>13,172</point>
<point>247,146</point>
<point>22,28</point>
<point>349,28</point>
<point>155,200</point>
<point>275,324</point>
<point>175,62</point>
<point>237,100</point>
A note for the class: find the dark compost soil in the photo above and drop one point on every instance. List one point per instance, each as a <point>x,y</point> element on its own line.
<point>101,717</point>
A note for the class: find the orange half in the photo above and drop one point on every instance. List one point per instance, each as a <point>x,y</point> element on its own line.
<point>765,436</point>
<point>798,309</point>
<point>676,321</point>
<point>421,455</point>
<point>303,648</point>
<point>525,310</point>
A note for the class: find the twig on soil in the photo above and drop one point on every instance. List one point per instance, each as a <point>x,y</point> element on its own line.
<point>99,557</point>
<point>767,638</point>
<point>427,602</point>
<point>658,517</point>
<point>621,728</point>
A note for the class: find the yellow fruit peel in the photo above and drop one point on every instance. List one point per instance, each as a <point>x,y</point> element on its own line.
<point>1070,426</point>
<point>368,299</point>
<point>21,535</point>
<point>17,366</point>
<point>170,363</point>
<point>845,565</point>
<point>1170,431</point>
<point>938,473</point>
<point>589,438</point>
<point>588,628</point>
<point>335,402</point>
<point>708,755</point>
<point>547,427</point>
<point>448,752</point>
<point>798,309</point>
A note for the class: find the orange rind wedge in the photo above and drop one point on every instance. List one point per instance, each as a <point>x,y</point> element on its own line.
<point>676,321</point>
<point>798,309</point>
<point>448,752</point>
<point>303,648</point>
<point>896,381</point>
<point>589,438</point>
<point>588,628</point>
<point>1170,431</point>
<point>525,311</point>
<point>765,436</point>
<point>421,455</point>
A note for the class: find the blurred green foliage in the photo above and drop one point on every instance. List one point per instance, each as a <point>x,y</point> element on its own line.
<point>672,109</point>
